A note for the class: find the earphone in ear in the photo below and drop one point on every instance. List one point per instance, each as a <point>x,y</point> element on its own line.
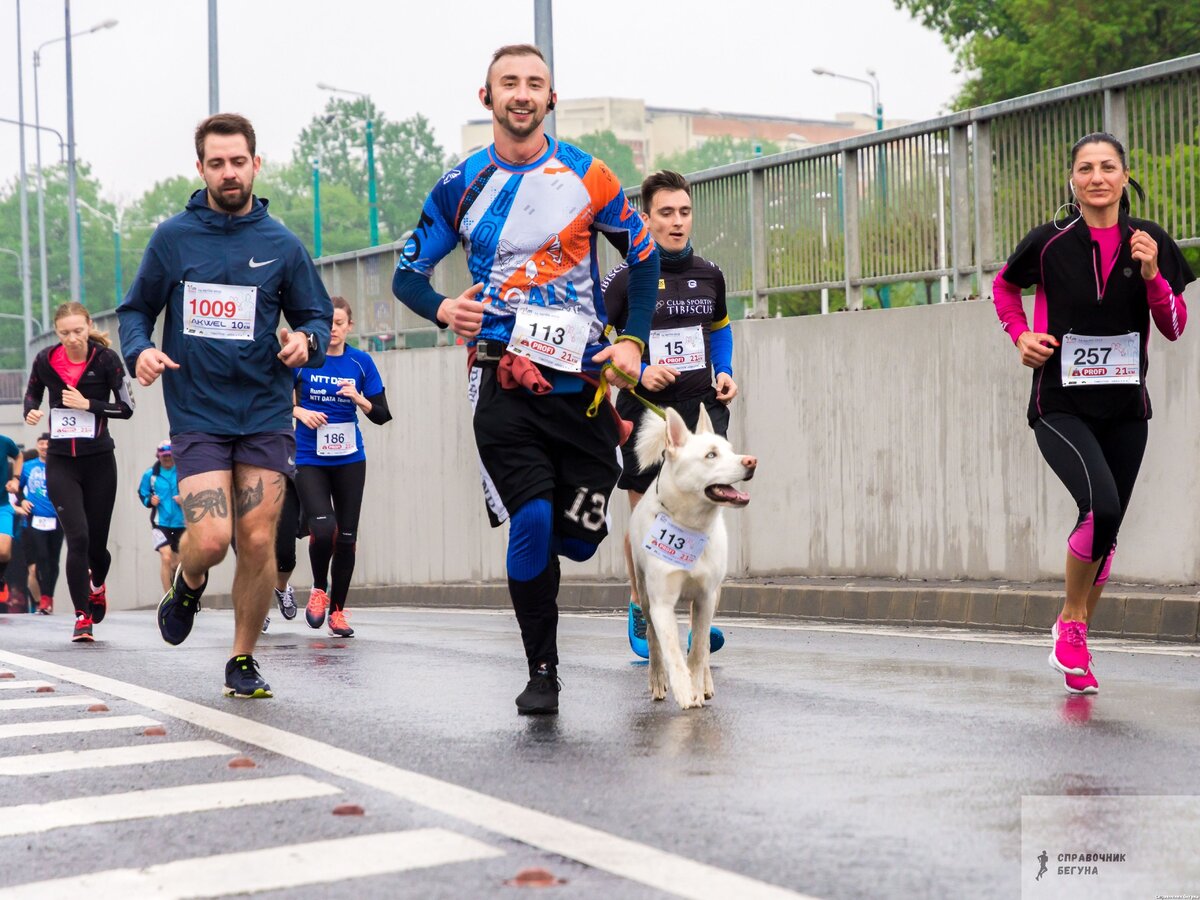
<point>487,96</point>
<point>550,105</point>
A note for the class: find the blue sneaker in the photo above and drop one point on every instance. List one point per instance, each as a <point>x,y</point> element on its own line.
<point>242,679</point>
<point>637,631</point>
<point>716,639</point>
<point>177,609</point>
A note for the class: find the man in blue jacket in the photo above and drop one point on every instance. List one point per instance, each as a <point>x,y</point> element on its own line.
<point>224,271</point>
<point>159,492</point>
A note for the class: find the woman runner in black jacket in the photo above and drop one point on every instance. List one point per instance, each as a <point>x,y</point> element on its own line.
<point>82,373</point>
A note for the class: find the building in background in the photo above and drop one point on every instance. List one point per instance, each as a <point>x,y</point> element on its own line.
<point>654,131</point>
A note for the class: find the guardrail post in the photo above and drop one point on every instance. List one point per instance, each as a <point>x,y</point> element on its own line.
<point>853,252</point>
<point>960,211</point>
<point>758,245</point>
<point>1116,120</point>
<point>985,222</point>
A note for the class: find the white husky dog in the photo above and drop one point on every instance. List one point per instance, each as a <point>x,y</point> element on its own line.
<point>679,544</point>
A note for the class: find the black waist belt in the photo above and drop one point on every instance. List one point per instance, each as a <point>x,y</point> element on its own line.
<point>488,353</point>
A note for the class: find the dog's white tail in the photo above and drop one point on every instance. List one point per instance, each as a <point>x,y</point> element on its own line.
<point>651,441</point>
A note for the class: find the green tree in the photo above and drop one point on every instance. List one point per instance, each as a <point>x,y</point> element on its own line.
<point>616,155</point>
<point>408,160</point>
<point>1014,47</point>
<point>717,151</point>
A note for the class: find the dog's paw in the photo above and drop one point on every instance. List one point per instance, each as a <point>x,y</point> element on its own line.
<point>688,699</point>
<point>708,683</point>
<point>658,685</point>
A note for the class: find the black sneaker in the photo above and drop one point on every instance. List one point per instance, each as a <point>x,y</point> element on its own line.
<point>540,697</point>
<point>177,609</point>
<point>266,624</point>
<point>287,602</point>
<point>242,679</point>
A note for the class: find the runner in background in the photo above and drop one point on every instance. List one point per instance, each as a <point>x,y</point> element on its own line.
<point>11,454</point>
<point>159,493</point>
<point>87,387</point>
<point>44,535</point>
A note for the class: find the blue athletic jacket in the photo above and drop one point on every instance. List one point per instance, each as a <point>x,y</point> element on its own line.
<point>225,386</point>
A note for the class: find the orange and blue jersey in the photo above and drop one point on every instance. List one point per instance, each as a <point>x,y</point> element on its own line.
<point>530,234</point>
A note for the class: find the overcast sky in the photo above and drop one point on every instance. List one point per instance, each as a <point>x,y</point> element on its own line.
<point>141,87</point>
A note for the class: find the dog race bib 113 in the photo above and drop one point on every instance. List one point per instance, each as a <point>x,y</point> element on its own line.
<point>1100,360</point>
<point>336,440</point>
<point>72,423</point>
<point>221,311</point>
<point>680,348</point>
<point>550,336</point>
<point>671,542</point>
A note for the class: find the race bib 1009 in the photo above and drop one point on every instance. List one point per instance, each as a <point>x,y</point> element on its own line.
<point>680,348</point>
<point>1113,359</point>
<point>551,337</point>
<point>337,440</point>
<point>221,311</point>
<point>72,423</point>
<point>671,542</point>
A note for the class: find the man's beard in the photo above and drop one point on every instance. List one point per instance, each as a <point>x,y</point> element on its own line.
<point>518,132</point>
<point>232,203</point>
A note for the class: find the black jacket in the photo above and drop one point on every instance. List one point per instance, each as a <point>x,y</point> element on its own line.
<point>103,377</point>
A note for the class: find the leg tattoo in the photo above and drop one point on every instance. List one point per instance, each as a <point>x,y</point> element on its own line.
<point>198,505</point>
<point>248,498</point>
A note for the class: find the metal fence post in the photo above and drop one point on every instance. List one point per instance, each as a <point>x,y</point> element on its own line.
<point>960,210</point>
<point>985,222</point>
<point>1116,120</point>
<point>850,228</point>
<point>758,245</point>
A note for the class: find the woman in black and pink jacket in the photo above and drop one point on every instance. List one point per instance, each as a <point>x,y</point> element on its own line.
<point>1101,277</point>
<point>83,376</point>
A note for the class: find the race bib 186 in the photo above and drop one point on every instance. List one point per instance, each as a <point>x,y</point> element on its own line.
<point>72,423</point>
<point>336,440</point>
<point>680,348</point>
<point>673,543</point>
<point>550,336</point>
<point>1113,359</point>
<point>221,311</point>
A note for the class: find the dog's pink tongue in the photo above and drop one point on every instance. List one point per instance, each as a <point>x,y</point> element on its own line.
<point>730,494</point>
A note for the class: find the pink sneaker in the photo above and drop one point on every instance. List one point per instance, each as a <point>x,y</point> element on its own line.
<point>1070,654</point>
<point>1082,684</point>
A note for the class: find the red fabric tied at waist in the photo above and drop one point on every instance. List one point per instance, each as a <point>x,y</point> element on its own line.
<point>517,371</point>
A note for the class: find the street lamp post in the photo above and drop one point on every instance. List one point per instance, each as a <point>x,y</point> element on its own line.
<point>877,104</point>
<point>371,196</point>
<point>822,199</point>
<point>26,287</point>
<point>116,231</point>
<point>316,166</point>
<point>37,63</point>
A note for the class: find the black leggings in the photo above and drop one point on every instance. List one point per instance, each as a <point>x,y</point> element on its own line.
<point>83,489</point>
<point>1098,462</point>
<point>43,548</point>
<point>331,497</point>
<point>288,530</point>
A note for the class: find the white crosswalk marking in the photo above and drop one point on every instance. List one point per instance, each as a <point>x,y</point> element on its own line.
<point>31,818</point>
<point>45,702</point>
<point>73,760</point>
<point>23,685</point>
<point>276,868</point>
<point>71,726</point>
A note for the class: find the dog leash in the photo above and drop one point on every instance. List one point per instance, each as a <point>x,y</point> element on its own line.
<point>602,393</point>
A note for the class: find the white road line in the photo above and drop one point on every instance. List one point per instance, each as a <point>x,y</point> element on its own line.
<point>31,818</point>
<point>619,856</point>
<point>23,685</point>
<point>273,869</point>
<point>73,760</point>
<point>71,726</point>
<point>46,702</point>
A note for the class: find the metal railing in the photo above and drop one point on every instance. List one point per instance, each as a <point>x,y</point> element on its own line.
<point>940,202</point>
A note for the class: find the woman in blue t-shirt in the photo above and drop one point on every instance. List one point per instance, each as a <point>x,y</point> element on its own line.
<point>331,468</point>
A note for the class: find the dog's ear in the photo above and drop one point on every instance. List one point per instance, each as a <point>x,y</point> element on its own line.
<point>704,423</point>
<point>677,430</point>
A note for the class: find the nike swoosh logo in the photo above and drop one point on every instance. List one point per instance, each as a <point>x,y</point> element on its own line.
<point>267,262</point>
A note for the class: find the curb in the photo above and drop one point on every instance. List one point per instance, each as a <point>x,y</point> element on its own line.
<point>1138,615</point>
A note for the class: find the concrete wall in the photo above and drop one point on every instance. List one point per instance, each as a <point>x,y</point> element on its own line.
<point>891,442</point>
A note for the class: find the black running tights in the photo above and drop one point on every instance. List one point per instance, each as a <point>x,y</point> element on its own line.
<point>331,497</point>
<point>83,490</point>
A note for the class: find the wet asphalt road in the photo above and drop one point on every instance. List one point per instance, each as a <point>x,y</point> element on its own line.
<point>834,761</point>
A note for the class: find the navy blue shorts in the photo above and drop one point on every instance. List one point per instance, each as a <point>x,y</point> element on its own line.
<point>196,453</point>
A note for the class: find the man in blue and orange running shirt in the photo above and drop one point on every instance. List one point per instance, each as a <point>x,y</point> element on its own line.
<point>528,211</point>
